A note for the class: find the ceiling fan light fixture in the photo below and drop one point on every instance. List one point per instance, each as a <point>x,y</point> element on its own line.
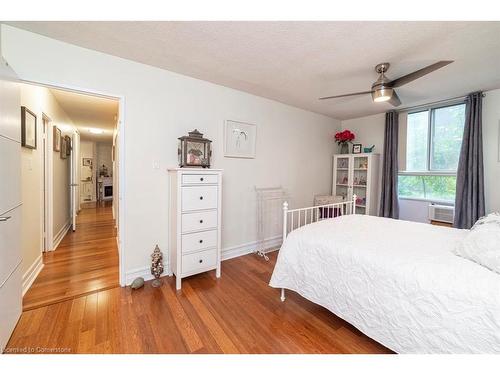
<point>382,94</point>
<point>383,88</point>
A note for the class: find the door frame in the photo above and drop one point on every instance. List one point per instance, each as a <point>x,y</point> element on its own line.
<point>121,234</point>
<point>74,178</point>
<point>47,182</point>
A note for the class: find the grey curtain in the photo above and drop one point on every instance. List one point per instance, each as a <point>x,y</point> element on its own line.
<point>389,205</point>
<point>469,199</point>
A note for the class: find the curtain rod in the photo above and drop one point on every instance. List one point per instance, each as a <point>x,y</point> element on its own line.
<point>463,97</point>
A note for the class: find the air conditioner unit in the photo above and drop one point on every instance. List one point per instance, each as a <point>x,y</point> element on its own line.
<point>438,212</point>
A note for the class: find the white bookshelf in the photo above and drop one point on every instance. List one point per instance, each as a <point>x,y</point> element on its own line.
<point>357,174</point>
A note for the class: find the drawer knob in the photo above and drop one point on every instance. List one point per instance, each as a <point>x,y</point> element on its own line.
<point>201,198</point>
<point>201,179</point>
<point>201,261</point>
<point>201,241</point>
<point>201,221</point>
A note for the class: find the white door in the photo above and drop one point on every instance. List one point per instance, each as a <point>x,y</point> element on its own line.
<point>74,180</point>
<point>10,203</point>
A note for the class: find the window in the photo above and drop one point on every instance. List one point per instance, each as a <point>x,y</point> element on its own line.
<point>434,139</point>
<point>438,188</point>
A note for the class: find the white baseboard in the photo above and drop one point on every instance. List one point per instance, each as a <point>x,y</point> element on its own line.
<point>249,247</point>
<point>227,253</point>
<point>32,273</point>
<point>144,272</point>
<point>60,235</point>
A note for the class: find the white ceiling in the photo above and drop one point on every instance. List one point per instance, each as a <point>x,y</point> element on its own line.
<point>297,62</point>
<point>88,111</point>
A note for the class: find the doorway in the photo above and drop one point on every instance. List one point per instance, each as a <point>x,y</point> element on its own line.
<point>77,166</point>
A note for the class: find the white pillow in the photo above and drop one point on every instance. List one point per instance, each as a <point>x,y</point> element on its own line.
<point>482,243</point>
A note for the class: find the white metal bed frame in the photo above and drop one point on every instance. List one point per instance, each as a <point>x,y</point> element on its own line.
<point>344,208</point>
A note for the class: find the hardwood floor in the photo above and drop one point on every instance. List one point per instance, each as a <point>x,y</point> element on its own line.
<point>84,262</point>
<point>238,313</point>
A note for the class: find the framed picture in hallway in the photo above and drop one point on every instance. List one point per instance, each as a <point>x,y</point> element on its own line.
<point>56,136</point>
<point>28,128</point>
<point>64,148</point>
<point>67,140</point>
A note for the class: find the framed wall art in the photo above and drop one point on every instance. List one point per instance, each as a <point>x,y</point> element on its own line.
<point>56,136</point>
<point>28,128</point>
<point>64,148</point>
<point>67,140</point>
<point>239,139</point>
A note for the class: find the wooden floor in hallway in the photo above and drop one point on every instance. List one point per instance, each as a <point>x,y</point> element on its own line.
<point>85,261</point>
<point>238,313</point>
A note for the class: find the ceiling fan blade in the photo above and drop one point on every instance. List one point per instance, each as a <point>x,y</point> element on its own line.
<point>341,96</point>
<point>394,100</point>
<point>418,73</point>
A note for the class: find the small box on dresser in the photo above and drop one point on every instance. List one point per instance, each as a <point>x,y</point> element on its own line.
<point>195,221</point>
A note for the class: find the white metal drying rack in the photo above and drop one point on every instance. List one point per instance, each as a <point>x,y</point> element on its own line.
<point>269,201</point>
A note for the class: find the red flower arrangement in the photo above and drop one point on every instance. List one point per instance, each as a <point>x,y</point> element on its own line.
<point>344,137</point>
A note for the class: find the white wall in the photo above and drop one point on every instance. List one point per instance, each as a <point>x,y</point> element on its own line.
<point>294,147</point>
<point>491,144</point>
<point>40,100</point>
<point>370,130</point>
<point>61,180</point>
<point>103,156</point>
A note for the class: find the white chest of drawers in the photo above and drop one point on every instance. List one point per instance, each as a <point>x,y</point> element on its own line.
<point>195,221</point>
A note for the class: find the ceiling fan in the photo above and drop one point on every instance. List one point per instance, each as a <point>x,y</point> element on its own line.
<point>383,88</point>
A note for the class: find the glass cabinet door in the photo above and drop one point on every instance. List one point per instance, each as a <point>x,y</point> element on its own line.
<point>360,182</point>
<point>342,177</point>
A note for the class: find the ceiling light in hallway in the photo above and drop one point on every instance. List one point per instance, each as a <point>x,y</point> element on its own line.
<point>96,131</point>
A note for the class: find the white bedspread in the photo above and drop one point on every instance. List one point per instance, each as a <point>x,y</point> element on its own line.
<point>396,281</point>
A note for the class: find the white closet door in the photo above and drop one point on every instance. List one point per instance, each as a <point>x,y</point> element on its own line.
<point>9,102</point>
<point>10,173</point>
<point>10,202</point>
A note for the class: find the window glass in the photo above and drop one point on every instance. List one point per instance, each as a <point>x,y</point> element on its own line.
<point>447,132</point>
<point>433,148</point>
<point>441,188</point>
<point>417,141</point>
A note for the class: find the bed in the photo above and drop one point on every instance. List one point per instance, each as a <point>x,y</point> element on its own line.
<point>396,281</point>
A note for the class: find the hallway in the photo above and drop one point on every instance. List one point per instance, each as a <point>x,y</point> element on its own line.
<point>85,261</point>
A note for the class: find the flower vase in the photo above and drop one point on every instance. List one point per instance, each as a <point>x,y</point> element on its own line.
<point>344,148</point>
